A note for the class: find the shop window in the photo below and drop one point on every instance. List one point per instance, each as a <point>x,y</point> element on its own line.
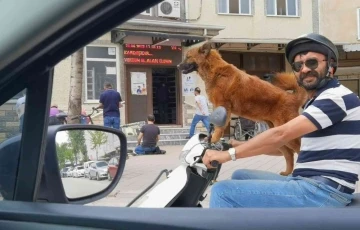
<point>101,66</point>
<point>282,7</point>
<point>262,63</point>
<point>241,7</point>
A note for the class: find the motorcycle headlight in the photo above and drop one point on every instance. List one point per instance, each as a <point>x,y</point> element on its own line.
<point>183,155</point>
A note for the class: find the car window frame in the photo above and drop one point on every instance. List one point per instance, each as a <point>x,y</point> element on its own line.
<point>32,146</point>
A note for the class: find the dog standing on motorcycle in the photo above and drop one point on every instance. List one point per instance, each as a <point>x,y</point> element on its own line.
<point>329,160</point>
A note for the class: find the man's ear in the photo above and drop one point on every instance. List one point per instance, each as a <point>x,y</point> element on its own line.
<point>206,48</point>
<point>333,66</point>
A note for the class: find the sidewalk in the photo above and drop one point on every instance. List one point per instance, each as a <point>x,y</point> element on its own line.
<point>141,171</point>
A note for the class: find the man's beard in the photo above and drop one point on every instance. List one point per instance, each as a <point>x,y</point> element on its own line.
<point>311,85</point>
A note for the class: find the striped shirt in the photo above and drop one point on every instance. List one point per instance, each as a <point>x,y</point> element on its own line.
<point>332,151</point>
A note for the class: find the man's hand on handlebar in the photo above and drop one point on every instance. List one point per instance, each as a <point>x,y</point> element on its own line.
<point>215,155</point>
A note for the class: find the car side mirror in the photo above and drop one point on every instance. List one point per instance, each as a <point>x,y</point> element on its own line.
<point>73,145</point>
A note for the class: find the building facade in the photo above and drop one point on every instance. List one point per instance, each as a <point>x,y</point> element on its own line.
<point>144,51</point>
<point>140,54</point>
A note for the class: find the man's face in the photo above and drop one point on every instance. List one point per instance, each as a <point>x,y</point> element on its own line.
<point>309,77</point>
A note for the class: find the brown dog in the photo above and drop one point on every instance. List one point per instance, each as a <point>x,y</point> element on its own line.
<point>247,96</point>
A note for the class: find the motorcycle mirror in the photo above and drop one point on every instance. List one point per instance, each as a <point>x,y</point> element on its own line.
<point>218,116</point>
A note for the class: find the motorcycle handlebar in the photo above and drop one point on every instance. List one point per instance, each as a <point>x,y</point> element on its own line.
<point>226,146</point>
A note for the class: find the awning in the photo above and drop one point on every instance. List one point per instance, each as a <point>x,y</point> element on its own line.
<point>187,39</point>
<point>163,35</point>
<point>251,40</point>
<point>160,30</point>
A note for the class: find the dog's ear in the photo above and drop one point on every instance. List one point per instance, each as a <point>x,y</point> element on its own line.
<point>206,48</point>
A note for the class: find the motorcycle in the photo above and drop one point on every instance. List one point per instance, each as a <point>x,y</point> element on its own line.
<point>185,185</point>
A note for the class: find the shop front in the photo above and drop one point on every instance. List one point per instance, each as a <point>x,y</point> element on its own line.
<point>153,82</point>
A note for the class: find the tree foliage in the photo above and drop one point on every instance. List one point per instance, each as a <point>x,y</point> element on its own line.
<point>97,139</point>
<point>78,144</point>
<point>64,154</point>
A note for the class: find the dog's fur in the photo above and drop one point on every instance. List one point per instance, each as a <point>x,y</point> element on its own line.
<point>246,95</point>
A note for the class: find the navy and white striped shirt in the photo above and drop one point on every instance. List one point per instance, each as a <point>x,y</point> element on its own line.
<point>332,151</point>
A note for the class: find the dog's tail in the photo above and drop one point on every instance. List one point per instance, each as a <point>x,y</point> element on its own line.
<point>287,81</point>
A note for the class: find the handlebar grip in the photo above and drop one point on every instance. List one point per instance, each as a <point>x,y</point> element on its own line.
<point>214,164</point>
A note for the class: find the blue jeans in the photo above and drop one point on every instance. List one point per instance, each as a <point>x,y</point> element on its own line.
<point>112,122</point>
<point>260,189</point>
<point>197,119</point>
<point>141,150</point>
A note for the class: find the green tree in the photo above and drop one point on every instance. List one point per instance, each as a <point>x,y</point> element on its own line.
<point>78,144</point>
<point>97,139</point>
<point>64,154</point>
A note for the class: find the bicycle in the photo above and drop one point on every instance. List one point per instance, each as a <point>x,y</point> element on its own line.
<point>86,116</point>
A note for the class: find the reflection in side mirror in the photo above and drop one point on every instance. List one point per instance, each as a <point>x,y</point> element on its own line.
<point>218,116</point>
<point>83,157</point>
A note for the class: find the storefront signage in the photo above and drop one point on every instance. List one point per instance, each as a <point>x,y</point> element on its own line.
<point>189,84</point>
<point>152,55</point>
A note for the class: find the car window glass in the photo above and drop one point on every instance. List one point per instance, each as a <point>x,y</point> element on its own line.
<point>11,125</point>
<point>101,164</point>
<point>117,62</point>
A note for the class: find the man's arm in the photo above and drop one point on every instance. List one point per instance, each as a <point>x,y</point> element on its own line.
<point>235,143</point>
<point>157,138</point>
<point>120,100</point>
<point>100,106</point>
<point>266,142</point>
<point>139,138</point>
<point>199,105</point>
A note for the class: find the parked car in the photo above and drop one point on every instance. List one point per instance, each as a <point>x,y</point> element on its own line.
<point>113,167</point>
<point>86,168</point>
<point>69,172</point>
<point>98,170</point>
<point>78,171</point>
<point>63,172</point>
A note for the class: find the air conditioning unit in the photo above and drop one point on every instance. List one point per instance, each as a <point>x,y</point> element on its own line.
<point>169,9</point>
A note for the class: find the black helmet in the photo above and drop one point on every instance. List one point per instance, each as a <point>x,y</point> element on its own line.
<point>310,42</point>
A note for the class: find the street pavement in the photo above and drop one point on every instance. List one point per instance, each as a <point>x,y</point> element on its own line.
<point>141,171</point>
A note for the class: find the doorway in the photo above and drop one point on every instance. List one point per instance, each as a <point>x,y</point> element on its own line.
<point>138,105</point>
<point>164,89</point>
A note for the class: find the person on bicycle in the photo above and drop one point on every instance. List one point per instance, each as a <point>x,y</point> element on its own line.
<point>53,119</point>
<point>327,167</point>
<point>84,118</point>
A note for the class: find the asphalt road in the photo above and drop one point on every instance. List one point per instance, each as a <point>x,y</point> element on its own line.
<point>80,187</point>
